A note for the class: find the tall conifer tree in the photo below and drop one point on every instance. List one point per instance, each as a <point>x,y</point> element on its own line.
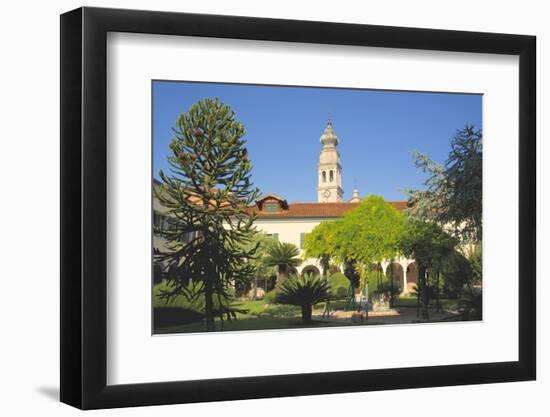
<point>206,195</point>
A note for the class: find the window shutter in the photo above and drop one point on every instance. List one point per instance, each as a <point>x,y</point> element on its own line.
<point>271,207</point>
<point>275,236</point>
<point>302,240</point>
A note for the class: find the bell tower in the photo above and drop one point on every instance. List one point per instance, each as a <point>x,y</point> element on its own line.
<point>329,189</point>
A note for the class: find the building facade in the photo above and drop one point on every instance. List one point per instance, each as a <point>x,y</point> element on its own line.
<point>291,222</point>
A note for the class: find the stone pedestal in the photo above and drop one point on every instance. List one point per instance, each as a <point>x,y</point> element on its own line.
<point>381,302</point>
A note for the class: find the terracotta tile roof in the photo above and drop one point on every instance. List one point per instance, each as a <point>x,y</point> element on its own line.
<point>316,209</point>
<point>270,195</point>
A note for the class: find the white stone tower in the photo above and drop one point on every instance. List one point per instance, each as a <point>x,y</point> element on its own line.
<point>329,189</point>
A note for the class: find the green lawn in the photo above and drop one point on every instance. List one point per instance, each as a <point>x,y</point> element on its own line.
<point>410,301</point>
<point>256,308</point>
<point>260,316</point>
<point>253,323</point>
<point>404,301</point>
<point>181,316</point>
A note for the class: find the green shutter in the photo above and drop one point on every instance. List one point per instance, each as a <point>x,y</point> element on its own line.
<point>275,236</point>
<point>302,240</point>
<point>271,207</point>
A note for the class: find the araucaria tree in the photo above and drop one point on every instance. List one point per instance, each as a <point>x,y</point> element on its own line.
<point>206,195</point>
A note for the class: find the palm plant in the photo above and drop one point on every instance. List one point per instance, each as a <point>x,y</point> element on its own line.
<point>304,291</point>
<point>284,256</point>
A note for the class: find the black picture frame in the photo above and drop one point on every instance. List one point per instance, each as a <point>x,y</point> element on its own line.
<point>84,207</point>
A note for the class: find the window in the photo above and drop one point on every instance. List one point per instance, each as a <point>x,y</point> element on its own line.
<point>187,237</point>
<point>274,236</point>
<point>271,207</point>
<point>331,175</point>
<point>324,175</point>
<point>156,219</point>
<point>159,221</point>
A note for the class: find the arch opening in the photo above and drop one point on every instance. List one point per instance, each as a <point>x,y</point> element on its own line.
<point>310,270</point>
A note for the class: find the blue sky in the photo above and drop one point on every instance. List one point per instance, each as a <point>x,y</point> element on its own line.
<point>378,130</point>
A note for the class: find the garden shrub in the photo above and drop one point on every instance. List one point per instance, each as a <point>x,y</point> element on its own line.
<point>174,316</point>
<point>270,296</point>
<point>339,285</point>
<point>196,305</point>
<point>456,273</point>
<point>386,287</point>
<point>341,292</point>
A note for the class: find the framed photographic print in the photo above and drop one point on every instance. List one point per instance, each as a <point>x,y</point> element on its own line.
<point>257,208</point>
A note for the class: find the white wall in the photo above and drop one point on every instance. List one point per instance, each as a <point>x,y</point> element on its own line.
<point>289,231</point>
<point>29,300</point>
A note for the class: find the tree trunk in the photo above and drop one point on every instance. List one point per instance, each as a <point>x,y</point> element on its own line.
<point>422,271</point>
<point>326,312</point>
<point>391,285</point>
<point>208,290</point>
<point>437,293</point>
<point>367,298</point>
<point>282,275</point>
<point>208,306</point>
<point>306,313</point>
<point>255,292</point>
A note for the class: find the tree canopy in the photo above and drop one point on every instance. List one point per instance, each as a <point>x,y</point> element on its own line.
<point>206,195</point>
<point>369,233</point>
<point>321,244</point>
<point>453,194</point>
<point>427,243</point>
<point>430,246</point>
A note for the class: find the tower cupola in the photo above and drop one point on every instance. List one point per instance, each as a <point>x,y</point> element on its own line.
<point>329,138</point>
<point>329,189</point>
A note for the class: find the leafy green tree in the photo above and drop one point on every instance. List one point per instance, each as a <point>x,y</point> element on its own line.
<point>457,272</point>
<point>320,244</point>
<point>304,291</point>
<point>453,194</point>
<point>429,245</point>
<point>285,256</point>
<point>367,235</point>
<point>206,196</point>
